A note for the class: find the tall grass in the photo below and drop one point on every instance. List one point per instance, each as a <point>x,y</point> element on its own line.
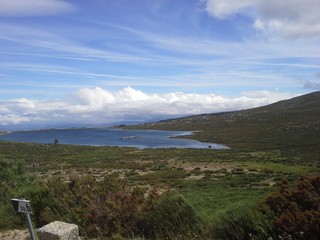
<point>238,222</point>
<point>172,218</point>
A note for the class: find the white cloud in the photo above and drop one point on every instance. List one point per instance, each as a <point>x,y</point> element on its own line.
<point>285,18</point>
<point>96,97</point>
<point>224,8</point>
<point>99,106</point>
<point>23,8</point>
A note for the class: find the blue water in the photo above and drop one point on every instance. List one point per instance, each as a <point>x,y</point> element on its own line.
<point>110,137</point>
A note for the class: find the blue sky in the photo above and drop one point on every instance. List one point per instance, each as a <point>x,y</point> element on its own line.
<point>103,61</point>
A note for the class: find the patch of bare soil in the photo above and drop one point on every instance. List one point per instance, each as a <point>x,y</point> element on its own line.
<point>15,235</point>
<point>213,166</point>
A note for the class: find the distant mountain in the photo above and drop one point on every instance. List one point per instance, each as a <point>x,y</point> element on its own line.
<point>293,122</point>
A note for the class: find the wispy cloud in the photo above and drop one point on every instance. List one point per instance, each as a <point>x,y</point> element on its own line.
<point>184,51</point>
<point>46,55</point>
<point>45,40</point>
<point>212,75</point>
<point>203,51</point>
<point>34,8</point>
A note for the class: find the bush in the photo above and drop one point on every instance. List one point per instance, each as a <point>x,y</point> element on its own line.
<point>239,222</point>
<point>295,213</point>
<point>171,218</point>
<point>110,208</point>
<point>100,209</point>
<point>12,180</point>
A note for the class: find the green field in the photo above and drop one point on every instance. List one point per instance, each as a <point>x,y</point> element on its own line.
<point>212,181</point>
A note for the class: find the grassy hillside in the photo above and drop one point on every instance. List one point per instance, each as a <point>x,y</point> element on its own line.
<point>289,123</point>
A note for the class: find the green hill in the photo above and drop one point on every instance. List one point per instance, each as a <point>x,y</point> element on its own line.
<point>289,123</point>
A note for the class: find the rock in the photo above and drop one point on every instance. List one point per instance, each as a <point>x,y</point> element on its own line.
<point>58,231</point>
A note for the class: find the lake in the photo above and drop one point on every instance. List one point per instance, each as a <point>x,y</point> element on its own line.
<point>110,137</point>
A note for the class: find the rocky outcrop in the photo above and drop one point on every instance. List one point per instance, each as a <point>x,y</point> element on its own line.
<point>58,231</point>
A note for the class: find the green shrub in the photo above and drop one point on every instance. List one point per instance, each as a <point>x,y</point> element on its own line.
<point>239,222</point>
<point>12,182</point>
<point>171,218</point>
<point>101,209</point>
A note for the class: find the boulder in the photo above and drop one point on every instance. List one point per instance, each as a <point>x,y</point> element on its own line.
<point>58,231</point>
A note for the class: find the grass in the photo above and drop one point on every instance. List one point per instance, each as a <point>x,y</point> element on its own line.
<point>282,168</point>
<point>210,198</point>
<point>163,163</point>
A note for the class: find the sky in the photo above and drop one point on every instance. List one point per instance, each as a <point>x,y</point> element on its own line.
<point>98,62</point>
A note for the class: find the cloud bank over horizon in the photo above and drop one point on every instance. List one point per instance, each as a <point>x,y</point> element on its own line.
<point>97,106</point>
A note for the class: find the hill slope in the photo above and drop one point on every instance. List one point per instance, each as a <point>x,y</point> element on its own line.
<point>293,122</point>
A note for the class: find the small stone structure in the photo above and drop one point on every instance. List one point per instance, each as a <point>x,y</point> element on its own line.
<point>58,231</point>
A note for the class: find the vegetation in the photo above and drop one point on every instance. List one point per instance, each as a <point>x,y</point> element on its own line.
<point>295,213</point>
<point>125,193</point>
<point>106,208</point>
<point>220,189</point>
<point>12,180</point>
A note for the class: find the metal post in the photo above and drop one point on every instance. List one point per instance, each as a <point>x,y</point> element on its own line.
<point>30,226</point>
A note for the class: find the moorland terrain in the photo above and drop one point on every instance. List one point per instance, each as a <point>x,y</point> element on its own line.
<point>266,186</point>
